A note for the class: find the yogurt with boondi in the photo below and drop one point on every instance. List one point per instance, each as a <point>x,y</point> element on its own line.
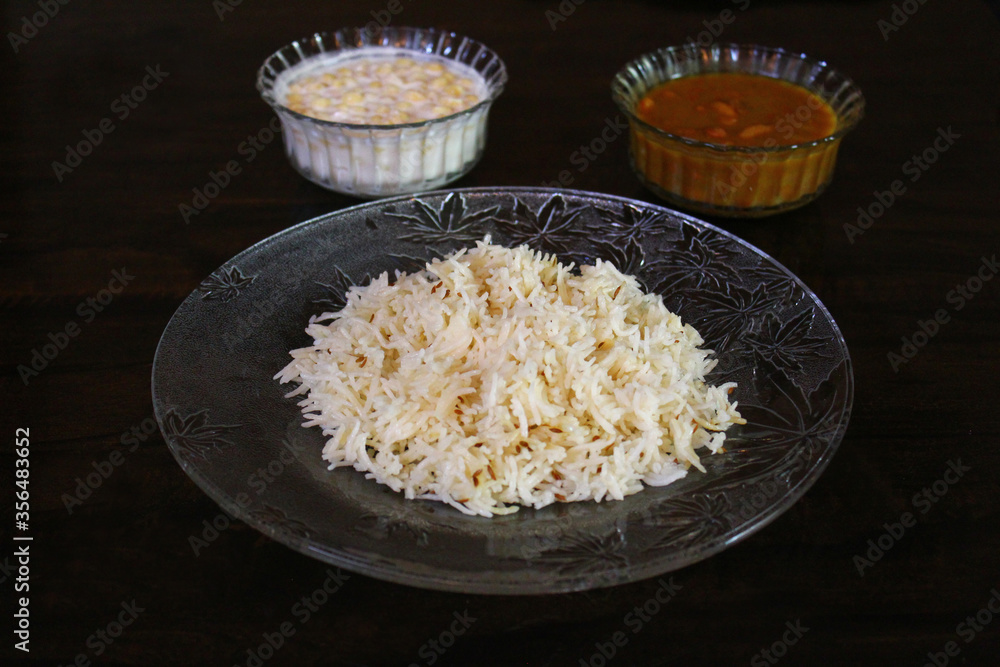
<point>385,89</point>
<point>380,121</point>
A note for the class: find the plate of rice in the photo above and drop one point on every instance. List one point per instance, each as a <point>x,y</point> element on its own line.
<point>504,390</point>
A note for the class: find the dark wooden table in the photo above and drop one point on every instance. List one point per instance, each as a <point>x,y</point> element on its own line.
<point>95,257</point>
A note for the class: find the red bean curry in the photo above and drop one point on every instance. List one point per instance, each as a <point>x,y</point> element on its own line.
<point>737,109</point>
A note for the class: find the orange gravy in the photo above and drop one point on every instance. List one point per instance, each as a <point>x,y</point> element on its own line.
<point>737,109</point>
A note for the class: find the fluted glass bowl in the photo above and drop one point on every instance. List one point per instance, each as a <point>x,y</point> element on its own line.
<point>734,181</point>
<point>372,161</point>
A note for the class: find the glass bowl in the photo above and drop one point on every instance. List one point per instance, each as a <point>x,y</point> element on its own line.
<point>735,181</point>
<point>372,161</point>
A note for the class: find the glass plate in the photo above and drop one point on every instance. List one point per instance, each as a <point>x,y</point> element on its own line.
<point>233,432</point>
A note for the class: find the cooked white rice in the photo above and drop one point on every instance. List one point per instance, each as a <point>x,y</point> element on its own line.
<point>496,378</point>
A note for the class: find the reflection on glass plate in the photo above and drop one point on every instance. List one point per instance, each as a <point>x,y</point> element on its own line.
<point>233,432</point>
